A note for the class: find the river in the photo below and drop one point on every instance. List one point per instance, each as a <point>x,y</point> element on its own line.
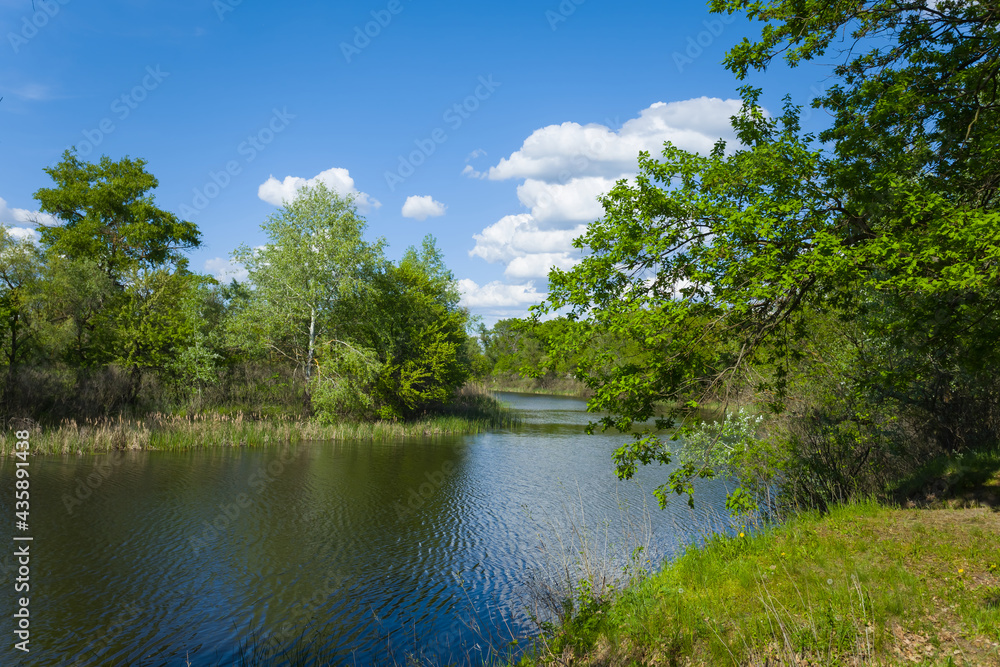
<point>357,552</point>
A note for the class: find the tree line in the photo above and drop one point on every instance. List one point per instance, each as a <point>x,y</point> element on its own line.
<point>104,316</point>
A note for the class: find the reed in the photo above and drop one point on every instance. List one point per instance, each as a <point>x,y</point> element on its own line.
<point>471,413</point>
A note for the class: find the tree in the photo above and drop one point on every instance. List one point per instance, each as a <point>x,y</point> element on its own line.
<point>423,348</point>
<point>917,96</point>
<point>160,326</point>
<point>304,279</point>
<point>717,265</point>
<point>915,137</point>
<point>110,217</point>
<point>409,351</point>
<point>20,275</point>
<point>81,305</point>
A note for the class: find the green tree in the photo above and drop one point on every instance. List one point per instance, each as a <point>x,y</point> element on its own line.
<point>718,265</point>
<point>424,332</point>
<point>914,136</point>
<point>110,217</point>
<point>81,304</point>
<point>409,350</point>
<point>161,326</point>
<point>310,284</point>
<point>20,317</point>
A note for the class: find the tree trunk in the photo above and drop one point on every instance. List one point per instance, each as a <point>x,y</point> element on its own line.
<point>135,384</point>
<point>309,359</point>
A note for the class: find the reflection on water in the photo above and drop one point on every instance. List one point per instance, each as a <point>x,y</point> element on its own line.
<point>378,550</point>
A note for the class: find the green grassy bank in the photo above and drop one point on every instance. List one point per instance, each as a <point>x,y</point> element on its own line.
<point>911,580</point>
<point>865,584</point>
<point>472,412</point>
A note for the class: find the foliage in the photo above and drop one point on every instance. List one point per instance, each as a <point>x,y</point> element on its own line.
<point>81,303</point>
<point>733,448</point>
<point>20,274</point>
<point>422,334</point>
<point>106,319</point>
<point>110,217</point>
<point>344,386</point>
<point>305,282</point>
<point>158,319</point>
<point>372,338</point>
<point>548,355</point>
<point>720,266</point>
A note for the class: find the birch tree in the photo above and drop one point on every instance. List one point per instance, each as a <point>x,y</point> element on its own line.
<point>307,283</point>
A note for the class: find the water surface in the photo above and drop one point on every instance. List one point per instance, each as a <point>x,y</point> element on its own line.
<point>372,552</point>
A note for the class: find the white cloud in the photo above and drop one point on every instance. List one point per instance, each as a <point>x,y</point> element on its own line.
<point>537,265</point>
<point>422,207</point>
<point>497,295</point>
<point>575,200</point>
<point>337,179</point>
<point>225,270</point>
<point>20,216</point>
<point>528,250</point>
<point>559,152</point>
<point>471,172</point>
<point>518,235</point>
<point>24,233</point>
<point>562,170</point>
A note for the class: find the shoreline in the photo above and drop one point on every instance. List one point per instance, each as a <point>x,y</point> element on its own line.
<point>867,583</point>
<point>166,432</point>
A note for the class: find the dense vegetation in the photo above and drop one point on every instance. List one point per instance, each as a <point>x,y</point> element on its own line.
<point>103,318</point>
<point>844,285</point>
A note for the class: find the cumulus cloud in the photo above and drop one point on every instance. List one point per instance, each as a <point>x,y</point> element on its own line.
<point>573,201</point>
<point>528,250</point>
<point>497,295</point>
<point>559,152</point>
<point>337,179</point>
<point>538,264</point>
<point>422,207</point>
<point>225,270</point>
<point>22,216</point>
<point>23,233</point>
<point>518,235</point>
<point>563,169</point>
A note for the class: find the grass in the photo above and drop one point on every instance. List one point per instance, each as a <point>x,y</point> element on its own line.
<point>472,412</point>
<point>865,584</point>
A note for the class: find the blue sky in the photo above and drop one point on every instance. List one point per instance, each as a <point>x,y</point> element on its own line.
<point>492,126</point>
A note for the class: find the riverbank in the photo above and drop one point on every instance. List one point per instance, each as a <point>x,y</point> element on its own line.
<point>865,584</point>
<point>472,412</point>
<point>543,385</point>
